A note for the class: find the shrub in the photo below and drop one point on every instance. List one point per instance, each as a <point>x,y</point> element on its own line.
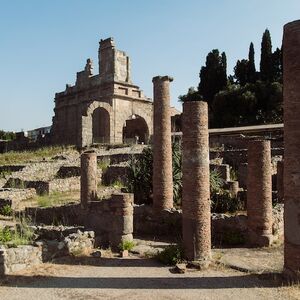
<point>126,245</point>
<point>171,255</point>
<point>6,210</point>
<point>223,202</point>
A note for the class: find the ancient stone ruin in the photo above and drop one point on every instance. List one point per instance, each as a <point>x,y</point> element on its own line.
<point>103,108</point>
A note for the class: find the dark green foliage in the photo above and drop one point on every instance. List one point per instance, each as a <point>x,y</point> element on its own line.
<point>171,255</point>
<point>7,135</point>
<point>216,182</point>
<point>140,176</point>
<point>251,70</point>
<point>192,95</point>
<point>241,71</point>
<point>213,77</point>
<point>252,104</point>
<point>6,210</point>
<point>266,63</point>
<point>223,202</point>
<point>277,65</point>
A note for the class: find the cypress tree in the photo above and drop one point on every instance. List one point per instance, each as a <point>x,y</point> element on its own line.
<point>213,76</point>
<point>266,65</point>
<point>251,77</point>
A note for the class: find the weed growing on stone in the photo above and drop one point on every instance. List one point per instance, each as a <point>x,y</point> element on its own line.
<point>126,245</point>
<point>103,165</point>
<point>6,210</point>
<point>56,198</point>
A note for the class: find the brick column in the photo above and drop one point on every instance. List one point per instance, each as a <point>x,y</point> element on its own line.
<point>279,181</point>
<point>195,182</point>
<point>88,180</point>
<point>162,145</point>
<point>121,209</point>
<point>291,97</point>
<point>259,193</point>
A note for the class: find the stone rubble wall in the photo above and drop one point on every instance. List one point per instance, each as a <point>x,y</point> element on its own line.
<point>20,258</point>
<point>14,196</point>
<point>110,219</point>
<point>169,222</point>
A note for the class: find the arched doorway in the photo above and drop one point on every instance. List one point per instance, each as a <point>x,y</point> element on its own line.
<point>101,125</point>
<point>135,130</point>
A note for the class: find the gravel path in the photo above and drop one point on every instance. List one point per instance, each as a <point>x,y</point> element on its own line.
<point>134,278</point>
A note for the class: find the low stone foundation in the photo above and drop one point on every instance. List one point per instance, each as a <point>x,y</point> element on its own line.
<point>20,258</point>
<point>226,229</point>
<point>110,219</point>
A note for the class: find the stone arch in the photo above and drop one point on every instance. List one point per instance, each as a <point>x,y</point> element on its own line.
<point>86,138</point>
<point>135,129</point>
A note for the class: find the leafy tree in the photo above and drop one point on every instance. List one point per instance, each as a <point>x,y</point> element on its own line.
<point>241,71</point>
<point>213,77</point>
<point>7,135</point>
<point>251,70</point>
<point>192,95</point>
<point>266,63</point>
<point>277,65</point>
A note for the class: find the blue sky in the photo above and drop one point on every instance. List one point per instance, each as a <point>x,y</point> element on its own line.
<point>45,42</point>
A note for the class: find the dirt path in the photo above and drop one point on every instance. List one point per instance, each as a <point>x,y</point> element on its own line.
<point>135,278</point>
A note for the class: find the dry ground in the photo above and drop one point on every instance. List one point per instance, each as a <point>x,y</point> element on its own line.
<point>136,278</point>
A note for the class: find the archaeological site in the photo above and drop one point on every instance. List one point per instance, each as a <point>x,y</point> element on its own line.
<point>125,182</point>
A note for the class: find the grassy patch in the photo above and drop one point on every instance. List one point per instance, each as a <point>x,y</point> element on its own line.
<point>14,157</point>
<point>103,165</point>
<point>57,198</point>
<point>6,210</point>
<point>4,174</point>
<point>22,234</point>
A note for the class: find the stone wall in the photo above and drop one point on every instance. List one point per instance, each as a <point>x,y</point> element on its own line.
<point>110,219</point>
<point>16,259</point>
<point>226,229</point>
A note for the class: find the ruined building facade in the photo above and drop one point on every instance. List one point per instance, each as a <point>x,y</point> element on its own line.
<point>103,108</point>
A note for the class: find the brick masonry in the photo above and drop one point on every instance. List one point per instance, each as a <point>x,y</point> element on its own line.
<point>291,95</point>
<point>195,182</point>
<point>162,145</point>
<point>88,179</point>
<point>259,193</point>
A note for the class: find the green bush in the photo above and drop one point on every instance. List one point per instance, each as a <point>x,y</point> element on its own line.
<point>171,255</point>
<point>6,210</point>
<point>223,202</point>
<point>126,245</point>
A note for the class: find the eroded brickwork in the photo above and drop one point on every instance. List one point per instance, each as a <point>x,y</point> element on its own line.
<point>88,179</point>
<point>162,145</point>
<point>259,193</point>
<point>291,97</point>
<point>195,182</point>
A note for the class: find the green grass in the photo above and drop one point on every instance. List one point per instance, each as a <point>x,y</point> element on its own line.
<point>4,174</point>
<point>21,235</point>
<point>56,198</point>
<point>103,165</point>
<point>15,157</point>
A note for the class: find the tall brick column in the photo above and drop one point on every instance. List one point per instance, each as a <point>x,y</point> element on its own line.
<point>291,99</point>
<point>259,193</point>
<point>195,182</point>
<point>88,180</point>
<point>162,145</point>
<point>279,181</point>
